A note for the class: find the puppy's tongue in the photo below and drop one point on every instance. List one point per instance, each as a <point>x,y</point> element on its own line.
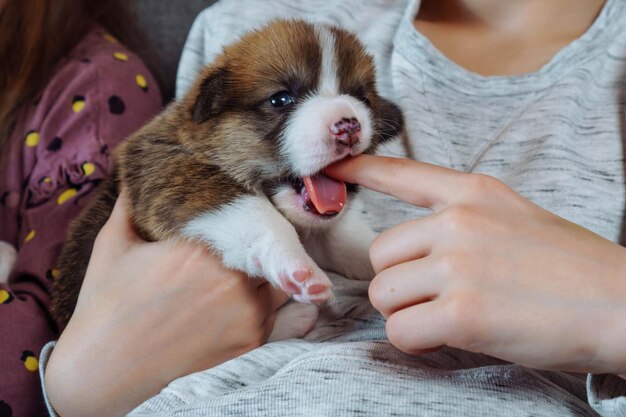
<point>327,195</point>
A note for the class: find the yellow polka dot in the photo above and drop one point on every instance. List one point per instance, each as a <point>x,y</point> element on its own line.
<point>88,168</point>
<point>120,56</point>
<point>141,81</point>
<point>110,38</point>
<point>66,195</point>
<point>30,236</point>
<point>32,139</point>
<point>78,104</point>
<point>31,363</point>
<point>4,296</point>
<point>55,272</point>
<point>47,180</point>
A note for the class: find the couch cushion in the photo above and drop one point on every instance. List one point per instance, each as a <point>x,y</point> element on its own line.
<point>166,24</point>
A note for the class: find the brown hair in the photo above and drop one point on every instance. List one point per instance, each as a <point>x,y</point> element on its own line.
<point>36,34</point>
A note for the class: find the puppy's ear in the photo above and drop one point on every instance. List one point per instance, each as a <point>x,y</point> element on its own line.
<point>390,120</point>
<point>210,93</point>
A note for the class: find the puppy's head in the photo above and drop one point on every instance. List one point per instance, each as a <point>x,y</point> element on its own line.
<point>284,102</point>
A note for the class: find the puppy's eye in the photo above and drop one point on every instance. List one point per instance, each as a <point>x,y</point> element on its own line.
<point>282,99</point>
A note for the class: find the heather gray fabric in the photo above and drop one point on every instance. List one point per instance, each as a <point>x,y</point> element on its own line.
<point>556,136</point>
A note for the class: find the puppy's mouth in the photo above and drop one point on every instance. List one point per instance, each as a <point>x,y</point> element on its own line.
<point>320,195</point>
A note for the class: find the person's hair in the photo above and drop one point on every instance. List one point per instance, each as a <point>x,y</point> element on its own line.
<point>36,34</point>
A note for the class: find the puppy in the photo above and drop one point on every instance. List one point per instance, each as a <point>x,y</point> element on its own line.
<point>237,164</point>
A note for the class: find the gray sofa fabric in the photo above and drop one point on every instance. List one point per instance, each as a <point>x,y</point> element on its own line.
<point>166,24</point>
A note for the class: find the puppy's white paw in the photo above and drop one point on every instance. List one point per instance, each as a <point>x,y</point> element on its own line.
<point>294,320</point>
<point>301,278</point>
<point>253,237</point>
<point>8,255</point>
<point>311,286</point>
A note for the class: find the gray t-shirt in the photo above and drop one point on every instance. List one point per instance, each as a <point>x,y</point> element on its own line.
<point>555,136</point>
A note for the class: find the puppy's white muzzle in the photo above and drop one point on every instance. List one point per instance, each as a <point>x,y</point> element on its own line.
<point>326,129</point>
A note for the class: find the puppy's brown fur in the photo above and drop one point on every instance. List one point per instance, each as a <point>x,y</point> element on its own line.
<point>217,143</point>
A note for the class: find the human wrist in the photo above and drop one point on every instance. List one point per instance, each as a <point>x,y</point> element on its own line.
<point>67,396</point>
<point>607,314</point>
<point>613,342</point>
<point>619,341</point>
<point>609,355</point>
<point>62,395</point>
<point>613,337</point>
<point>78,379</point>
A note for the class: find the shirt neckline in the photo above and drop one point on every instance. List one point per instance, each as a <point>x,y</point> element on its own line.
<point>418,49</point>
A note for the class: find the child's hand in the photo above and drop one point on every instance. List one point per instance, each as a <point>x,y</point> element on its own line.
<point>491,272</point>
<point>149,313</point>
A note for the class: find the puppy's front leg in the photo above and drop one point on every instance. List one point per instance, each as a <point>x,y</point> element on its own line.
<point>344,248</point>
<point>252,236</point>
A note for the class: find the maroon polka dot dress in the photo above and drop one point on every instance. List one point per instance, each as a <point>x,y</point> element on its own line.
<point>58,151</point>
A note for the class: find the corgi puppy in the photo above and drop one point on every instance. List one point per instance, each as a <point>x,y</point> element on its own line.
<point>237,164</point>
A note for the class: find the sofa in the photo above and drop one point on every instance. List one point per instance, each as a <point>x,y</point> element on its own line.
<point>166,25</point>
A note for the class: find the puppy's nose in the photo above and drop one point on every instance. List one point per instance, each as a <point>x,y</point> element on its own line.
<point>347,132</point>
